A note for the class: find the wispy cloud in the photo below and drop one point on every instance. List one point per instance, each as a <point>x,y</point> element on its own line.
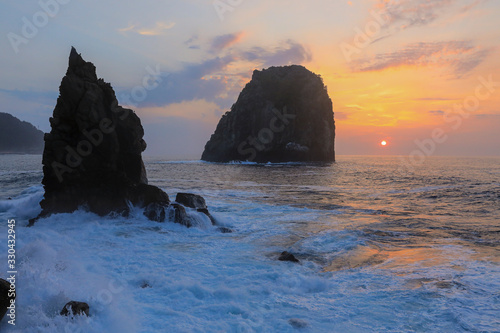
<point>403,14</point>
<point>211,80</point>
<point>224,41</point>
<point>158,29</point>
<point>407,13</point>
<point>288,53</point>
<point>459,56</point>
<point>436,112</point>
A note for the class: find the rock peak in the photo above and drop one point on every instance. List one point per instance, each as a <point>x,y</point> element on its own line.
<point>92,155</point>
<point>79,67</point>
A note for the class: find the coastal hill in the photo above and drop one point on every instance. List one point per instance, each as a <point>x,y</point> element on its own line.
<point>284,114</point>
<point>18,136</point>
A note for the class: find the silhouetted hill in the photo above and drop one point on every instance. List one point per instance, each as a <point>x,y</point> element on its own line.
<point>18,136</point>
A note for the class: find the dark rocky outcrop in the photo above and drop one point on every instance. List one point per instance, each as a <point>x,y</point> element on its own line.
<point>283,114</point>
<point>178,215</point>
<point>287,256</point>
<point>191,200</point>
<point>92,157</point>
<point>18,136</point>
<point>196,202</point>
<point>74,308</point>
<point>6,295</point>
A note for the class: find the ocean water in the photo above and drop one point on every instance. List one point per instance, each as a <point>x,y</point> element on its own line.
<point>378,252</point>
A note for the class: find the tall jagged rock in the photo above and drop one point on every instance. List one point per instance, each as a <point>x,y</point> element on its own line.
<point>92,155</point>
<point>283,114</point>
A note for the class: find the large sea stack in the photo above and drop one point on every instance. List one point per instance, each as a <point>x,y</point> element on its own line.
<point>92,156</point>
<point>283,114</point>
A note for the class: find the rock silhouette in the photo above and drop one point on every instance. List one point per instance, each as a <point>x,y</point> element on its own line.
<point>18,136</point>
<point>283,114</point>
<point>74,308</point>
<point>92,156</point>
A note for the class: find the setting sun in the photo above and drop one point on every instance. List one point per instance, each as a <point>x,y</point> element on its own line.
<point>383,143</point>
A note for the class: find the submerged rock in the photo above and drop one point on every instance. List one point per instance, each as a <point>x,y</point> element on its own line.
<point>298,323</point>
<point>283,114</point>
<point>74,308</point>
<point>92,156</point>
<point>287,256</point>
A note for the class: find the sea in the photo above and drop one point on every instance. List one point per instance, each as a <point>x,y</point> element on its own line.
<point>379,251</point>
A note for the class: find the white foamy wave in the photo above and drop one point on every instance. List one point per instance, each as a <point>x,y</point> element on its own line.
<point>25,206</point>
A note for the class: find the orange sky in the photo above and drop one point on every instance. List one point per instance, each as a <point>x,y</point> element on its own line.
<point>395,70</point>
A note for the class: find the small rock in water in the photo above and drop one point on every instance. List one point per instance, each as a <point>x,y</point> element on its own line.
<point>180,215</point>
<point>287,256</point>
<point>224,230</point>
<point>75,308</point>
<point>207,213</point>
<point>191,200</point>
<point>155,212</point>
<point>298,323</point>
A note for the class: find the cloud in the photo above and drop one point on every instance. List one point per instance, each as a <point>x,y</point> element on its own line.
<point>460,56</point>
<point>159,29</point>
<point>408,13</point>
<point>214,80</point>
<point>192,43</point>
<point>288,53</point>
<point>341,115</point>
<point>436,112</point>
<point>224,41</point>
<point>41,97</point>
<point>433,99</point>
<point>487,115</point>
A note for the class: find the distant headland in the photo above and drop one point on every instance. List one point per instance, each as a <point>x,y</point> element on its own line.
<point>19,137</point>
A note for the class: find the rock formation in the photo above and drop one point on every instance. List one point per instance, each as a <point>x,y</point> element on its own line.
<point>92,157</point>
<point>283,114</point>
<point>287,256</point>
<point>74,308</point>
<point>18,136</point>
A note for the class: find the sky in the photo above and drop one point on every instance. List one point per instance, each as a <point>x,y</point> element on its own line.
<point>421,75</point>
